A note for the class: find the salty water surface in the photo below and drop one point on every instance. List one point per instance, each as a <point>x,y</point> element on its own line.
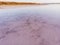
<point>30,25</point>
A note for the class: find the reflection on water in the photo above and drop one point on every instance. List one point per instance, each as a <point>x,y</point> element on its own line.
<point>48,12</point>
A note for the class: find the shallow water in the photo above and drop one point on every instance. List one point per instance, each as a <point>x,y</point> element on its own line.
<point>30,25</point>
<point>48,12</point>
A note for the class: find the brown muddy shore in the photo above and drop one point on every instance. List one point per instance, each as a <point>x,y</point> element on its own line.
<point>4,5</point>
<point>18,3</point>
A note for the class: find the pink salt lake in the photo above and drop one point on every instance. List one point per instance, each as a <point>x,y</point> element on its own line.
<point>30,25</point>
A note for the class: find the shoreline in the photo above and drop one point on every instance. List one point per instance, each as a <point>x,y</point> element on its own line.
<point>19,3</point>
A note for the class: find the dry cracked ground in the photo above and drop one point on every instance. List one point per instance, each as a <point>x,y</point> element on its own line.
<point>28,30</point>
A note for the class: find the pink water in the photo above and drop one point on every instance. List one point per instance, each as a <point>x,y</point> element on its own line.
<point>32,25</point>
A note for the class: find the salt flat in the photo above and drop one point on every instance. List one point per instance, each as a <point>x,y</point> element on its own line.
<point>30,25</point>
